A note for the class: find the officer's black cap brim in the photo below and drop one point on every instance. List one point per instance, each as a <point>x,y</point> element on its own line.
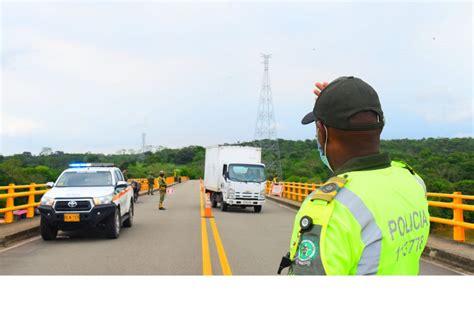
<point>308,118</point>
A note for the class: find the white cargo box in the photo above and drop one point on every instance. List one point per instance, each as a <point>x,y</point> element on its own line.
<point>218,156</point>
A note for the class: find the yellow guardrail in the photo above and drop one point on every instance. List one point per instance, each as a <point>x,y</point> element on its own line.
<point>456,204</point>
<point>297,191</point>
<point>16,191</point>
<point>10,192</point>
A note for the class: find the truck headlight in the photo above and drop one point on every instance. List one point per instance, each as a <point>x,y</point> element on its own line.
<point>262,193</point>
<point>47,201</point>
<point>230,193</point>
<point>107,199</point>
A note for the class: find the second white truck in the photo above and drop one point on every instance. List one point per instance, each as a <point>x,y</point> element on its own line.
<point>235,176</point>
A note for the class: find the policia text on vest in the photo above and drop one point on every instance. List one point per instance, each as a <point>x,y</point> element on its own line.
<point>402,226</point>
<point>372,216</point>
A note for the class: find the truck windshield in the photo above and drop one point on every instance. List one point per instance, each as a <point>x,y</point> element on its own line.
<point>247,173</point>
<point>85,179</point>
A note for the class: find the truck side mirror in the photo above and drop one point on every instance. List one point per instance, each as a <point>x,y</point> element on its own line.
<point>50,184</point>
<point>121,184</point>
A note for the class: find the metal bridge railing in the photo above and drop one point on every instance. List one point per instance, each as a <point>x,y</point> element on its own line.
<point>456,204</point>
<point>297,191</point>
<point>17,191</point>
<point>11,192</point>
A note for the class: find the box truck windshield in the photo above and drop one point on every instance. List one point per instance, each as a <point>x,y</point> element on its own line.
<point>246,173</point>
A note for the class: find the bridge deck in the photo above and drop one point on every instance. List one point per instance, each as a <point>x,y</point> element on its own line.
<point>168,243</point>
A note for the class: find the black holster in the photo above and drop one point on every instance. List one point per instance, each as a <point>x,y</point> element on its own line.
<point>285,263</point>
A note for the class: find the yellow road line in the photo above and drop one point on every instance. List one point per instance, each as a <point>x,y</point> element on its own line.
<point>206,256</point>
<point>220,249</point>
<point>201,200</point>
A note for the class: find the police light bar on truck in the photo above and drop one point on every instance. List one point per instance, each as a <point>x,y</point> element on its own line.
<point>89,165</point>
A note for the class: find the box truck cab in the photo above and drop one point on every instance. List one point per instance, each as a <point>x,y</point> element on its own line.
<point>235,176</point>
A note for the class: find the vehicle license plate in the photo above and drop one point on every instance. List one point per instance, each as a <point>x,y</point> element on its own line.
<point>72,218</point>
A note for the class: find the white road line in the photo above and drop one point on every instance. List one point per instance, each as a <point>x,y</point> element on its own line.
<point>282,205</point>
<point>20,244</point>
<point>443,267</point>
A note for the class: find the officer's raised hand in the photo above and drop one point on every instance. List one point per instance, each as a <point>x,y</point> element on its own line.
<point>319,87</point>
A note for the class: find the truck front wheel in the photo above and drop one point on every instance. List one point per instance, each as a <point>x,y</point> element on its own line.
<point>224,206</point>
<point>257,208</point>
<point>48,232</point>
<point>112,225</point>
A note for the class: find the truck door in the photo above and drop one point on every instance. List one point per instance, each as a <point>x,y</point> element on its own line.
<point>124,200</point>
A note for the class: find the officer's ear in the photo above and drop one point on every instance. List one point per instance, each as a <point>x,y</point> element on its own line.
<point>320,132</point>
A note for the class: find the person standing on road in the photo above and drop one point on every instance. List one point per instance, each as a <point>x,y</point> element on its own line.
<point>162,188</point>
<point>372,216</point>
<point>151,183</point>
<point>136,190</point>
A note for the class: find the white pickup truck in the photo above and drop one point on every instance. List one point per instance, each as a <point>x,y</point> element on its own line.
<point>87,195</point>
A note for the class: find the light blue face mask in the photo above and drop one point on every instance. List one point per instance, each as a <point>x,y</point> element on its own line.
<point>322,153</point>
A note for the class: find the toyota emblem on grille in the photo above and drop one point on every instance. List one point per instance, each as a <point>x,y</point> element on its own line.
<point>72,204</point>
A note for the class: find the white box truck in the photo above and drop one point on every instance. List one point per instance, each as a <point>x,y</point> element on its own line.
<point>235,176</point>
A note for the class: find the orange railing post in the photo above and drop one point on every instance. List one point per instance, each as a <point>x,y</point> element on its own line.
<point>31,201</point>
<point>458,216</point>
<point>10,203</point>
<point>299,192</point>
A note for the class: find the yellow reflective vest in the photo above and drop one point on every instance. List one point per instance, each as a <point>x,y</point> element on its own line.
<point>362,223</point>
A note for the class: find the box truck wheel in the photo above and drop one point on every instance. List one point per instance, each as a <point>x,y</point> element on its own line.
<point>257,208</point>
<point>214,200</point>
<point>224,206</point>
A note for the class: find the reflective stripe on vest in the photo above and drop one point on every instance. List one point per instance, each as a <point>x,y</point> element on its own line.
<point>421,182</point>
<point>370,232</point>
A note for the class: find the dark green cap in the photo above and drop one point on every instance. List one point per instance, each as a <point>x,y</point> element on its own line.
<point>343,98</point>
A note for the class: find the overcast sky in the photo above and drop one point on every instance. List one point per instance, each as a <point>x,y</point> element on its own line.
<point>93,77</point>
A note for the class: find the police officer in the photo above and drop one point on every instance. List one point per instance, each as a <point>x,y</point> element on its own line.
<point>151,183</point>
<point>162,188</point>
<point>371,216</point>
